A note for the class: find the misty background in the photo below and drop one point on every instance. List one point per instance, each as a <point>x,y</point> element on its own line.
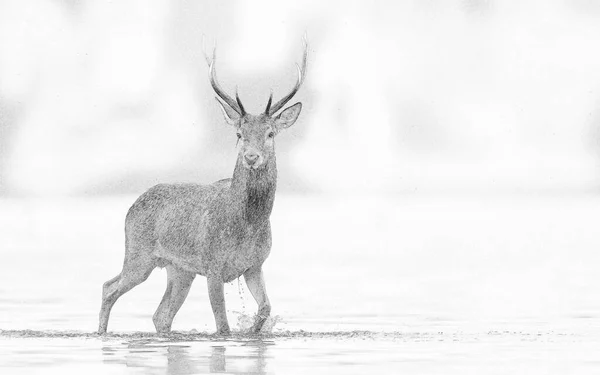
<point>101,97</point>
<point>443,177</point>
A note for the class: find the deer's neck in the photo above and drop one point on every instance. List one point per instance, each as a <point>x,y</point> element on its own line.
<point>254,190</point>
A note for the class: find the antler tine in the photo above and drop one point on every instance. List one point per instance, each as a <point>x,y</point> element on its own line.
<point>215,84</point>
<point>269,103</point>
<point>301,75</point>
<point>208,62</point>
<point>239,102</point>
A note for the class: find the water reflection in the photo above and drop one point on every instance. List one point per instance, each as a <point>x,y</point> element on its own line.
<point>184,358</point>
<point>218,362</point>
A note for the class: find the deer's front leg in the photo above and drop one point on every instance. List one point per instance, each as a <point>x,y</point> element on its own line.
<point>217,301</point>
<point>256,284</point>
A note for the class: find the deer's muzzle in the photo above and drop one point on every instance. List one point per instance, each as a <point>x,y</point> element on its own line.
<point>251,159</point>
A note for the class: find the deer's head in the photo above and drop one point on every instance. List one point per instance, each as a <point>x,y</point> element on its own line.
<point>256,133</point>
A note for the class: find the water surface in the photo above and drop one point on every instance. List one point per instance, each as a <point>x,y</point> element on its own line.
<point>412,284</point>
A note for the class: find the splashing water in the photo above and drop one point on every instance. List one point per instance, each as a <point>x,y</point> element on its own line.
<point>246,321</point>
<point>241,293</point>
<point>270,323</point>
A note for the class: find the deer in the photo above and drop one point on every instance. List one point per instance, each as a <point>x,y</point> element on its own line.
<point>220,231</point>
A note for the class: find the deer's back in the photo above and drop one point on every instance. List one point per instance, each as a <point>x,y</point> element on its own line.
<point>176,208</point>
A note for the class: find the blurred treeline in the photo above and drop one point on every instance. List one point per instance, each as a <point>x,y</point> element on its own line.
<point>102,97</point>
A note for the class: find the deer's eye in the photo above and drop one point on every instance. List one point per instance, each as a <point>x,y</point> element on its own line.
<point>271,135</point>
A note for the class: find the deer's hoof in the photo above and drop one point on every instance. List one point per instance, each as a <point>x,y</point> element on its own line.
<point>259,322</point>
<point>163,331</point>
<point>223,332</point>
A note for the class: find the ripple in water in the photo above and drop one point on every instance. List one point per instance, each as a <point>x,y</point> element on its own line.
<point>243,336</point>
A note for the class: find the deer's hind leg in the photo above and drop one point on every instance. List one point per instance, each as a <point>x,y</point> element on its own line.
<point>136,270</point>
<point>179,282</point>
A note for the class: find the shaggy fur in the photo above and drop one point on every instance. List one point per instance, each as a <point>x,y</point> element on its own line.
<point>220,231</point>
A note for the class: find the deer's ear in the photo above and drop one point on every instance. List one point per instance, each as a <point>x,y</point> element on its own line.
<point>288,117</point>
<point>231,116</point>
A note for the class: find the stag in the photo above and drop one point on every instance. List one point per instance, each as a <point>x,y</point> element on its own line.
<point>220,231</point>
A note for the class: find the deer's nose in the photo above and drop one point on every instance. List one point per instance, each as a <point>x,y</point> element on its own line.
<point>251,158</point>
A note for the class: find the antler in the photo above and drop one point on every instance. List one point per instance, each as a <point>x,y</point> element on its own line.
<point>269,103</point>
<point>239,102</point>
<point>301,74</point>
<point>236,105</point>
